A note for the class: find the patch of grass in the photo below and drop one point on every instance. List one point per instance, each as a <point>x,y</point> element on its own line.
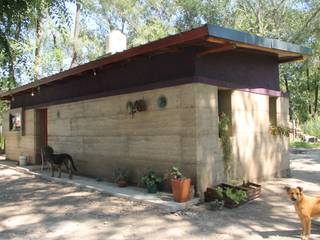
<point>302,144</point>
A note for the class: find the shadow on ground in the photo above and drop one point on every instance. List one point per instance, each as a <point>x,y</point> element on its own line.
<point>32,208</point>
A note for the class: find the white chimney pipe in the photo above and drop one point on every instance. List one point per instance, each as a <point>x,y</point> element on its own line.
<point>116,42</point>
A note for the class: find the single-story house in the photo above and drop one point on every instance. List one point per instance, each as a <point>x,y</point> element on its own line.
<point>158,104</point>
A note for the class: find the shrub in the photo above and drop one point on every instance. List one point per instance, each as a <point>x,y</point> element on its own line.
<point>312,127</point>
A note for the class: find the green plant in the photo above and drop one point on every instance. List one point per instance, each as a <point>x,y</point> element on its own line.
<point>312,127</point>
<point>226,143</point>
<point>2,142</point>
<point>216,205</point>
<point>131,108</point>
<point>280,130</point>
<point>238,196</point>
<point>302,144</point>
<point>151,179</point>
<point>219,192</point>
<point>120,174</point>
<point>175,173</point>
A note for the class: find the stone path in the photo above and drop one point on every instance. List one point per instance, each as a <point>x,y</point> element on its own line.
<point>33,208</point>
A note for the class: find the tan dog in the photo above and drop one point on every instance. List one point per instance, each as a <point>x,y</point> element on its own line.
<point>307,207</point>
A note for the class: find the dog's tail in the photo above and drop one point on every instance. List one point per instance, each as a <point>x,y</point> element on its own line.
<point>72,163</point>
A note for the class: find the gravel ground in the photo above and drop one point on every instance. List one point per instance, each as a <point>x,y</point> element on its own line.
<point>33,208</point>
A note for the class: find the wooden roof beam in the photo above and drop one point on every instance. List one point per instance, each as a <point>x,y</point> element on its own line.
<point>290,59</point>
<point>223,48</point>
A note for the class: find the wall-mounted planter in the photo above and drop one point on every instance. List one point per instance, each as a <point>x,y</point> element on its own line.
<point>136,106</point>
<point>131,108</point>
<point>162,102</point>
<point>140,105</point>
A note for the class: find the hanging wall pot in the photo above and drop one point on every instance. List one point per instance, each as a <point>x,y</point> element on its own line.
<point>162,102</point>
<point>131,108</point>
<point>136,106</point>
<point>140,105</point>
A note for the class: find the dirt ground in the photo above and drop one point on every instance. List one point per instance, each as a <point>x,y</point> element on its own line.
<point>32,208</point>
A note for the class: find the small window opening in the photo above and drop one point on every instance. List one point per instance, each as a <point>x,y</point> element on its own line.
<point>224,107</point>
<point>273,111</point>
<point>15,121</point>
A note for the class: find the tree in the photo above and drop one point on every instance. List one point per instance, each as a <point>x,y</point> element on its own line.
<point>75,36</point>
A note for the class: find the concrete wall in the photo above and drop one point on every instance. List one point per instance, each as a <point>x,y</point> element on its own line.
<point>101,135</point>
<point>257,154</point>
<point>209,157</point>
<point>16,143</point>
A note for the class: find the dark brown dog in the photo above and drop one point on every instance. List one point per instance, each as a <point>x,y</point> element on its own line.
<point>307,207</point>
<point>57,160</point>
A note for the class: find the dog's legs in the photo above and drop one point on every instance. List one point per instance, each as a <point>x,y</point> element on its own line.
<point>308,228</point>
<point>52,170</point>
<point>70,170</point>
<point>302,227</point>
<point>59,171</point>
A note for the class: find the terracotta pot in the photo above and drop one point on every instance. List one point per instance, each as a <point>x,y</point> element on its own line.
<point>181,189</point>
<point>122,183</point>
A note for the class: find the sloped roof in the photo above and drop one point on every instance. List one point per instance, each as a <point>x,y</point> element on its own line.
<point>212,38</point>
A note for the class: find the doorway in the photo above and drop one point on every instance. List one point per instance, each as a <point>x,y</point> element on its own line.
<point>41,132</point>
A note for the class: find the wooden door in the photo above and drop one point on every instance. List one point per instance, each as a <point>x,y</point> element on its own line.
<point>41,132</point>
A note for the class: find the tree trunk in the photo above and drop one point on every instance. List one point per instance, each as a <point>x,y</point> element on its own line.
<point>309,90</point>
<point>55,46</point>
<point>75,37</point>
<point>39,41</point>
<point>316,93</point>
<point>14,57</point>
<point>288,92</point>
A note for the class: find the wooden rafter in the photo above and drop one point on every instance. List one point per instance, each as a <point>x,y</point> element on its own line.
<point>223,48</point>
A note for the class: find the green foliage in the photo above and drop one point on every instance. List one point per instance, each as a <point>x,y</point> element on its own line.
<point>238,196</point>
<point>2,142</point>
<point>302,144</point>
<point>151,179</point>
<point>175,173</point>
<point>226,143</point>
<point>216,205</point>
<point>280,130</point>
<point>312,127</point>
<point>120,174</point>
<point>219,192</point>
<point>295,21</point>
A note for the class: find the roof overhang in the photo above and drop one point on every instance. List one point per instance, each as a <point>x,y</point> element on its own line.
<point>222,39</point>
<point>285,51</point>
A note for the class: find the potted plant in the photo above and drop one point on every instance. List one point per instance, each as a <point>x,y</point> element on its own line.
<point>120,177</point>
<point>180,185</point>
<point>216,205</point>
<point>151,180</point>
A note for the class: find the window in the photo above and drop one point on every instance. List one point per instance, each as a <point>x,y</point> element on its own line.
<point>273,111</point>
<point>224,106</point>
<point>15,121</point>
